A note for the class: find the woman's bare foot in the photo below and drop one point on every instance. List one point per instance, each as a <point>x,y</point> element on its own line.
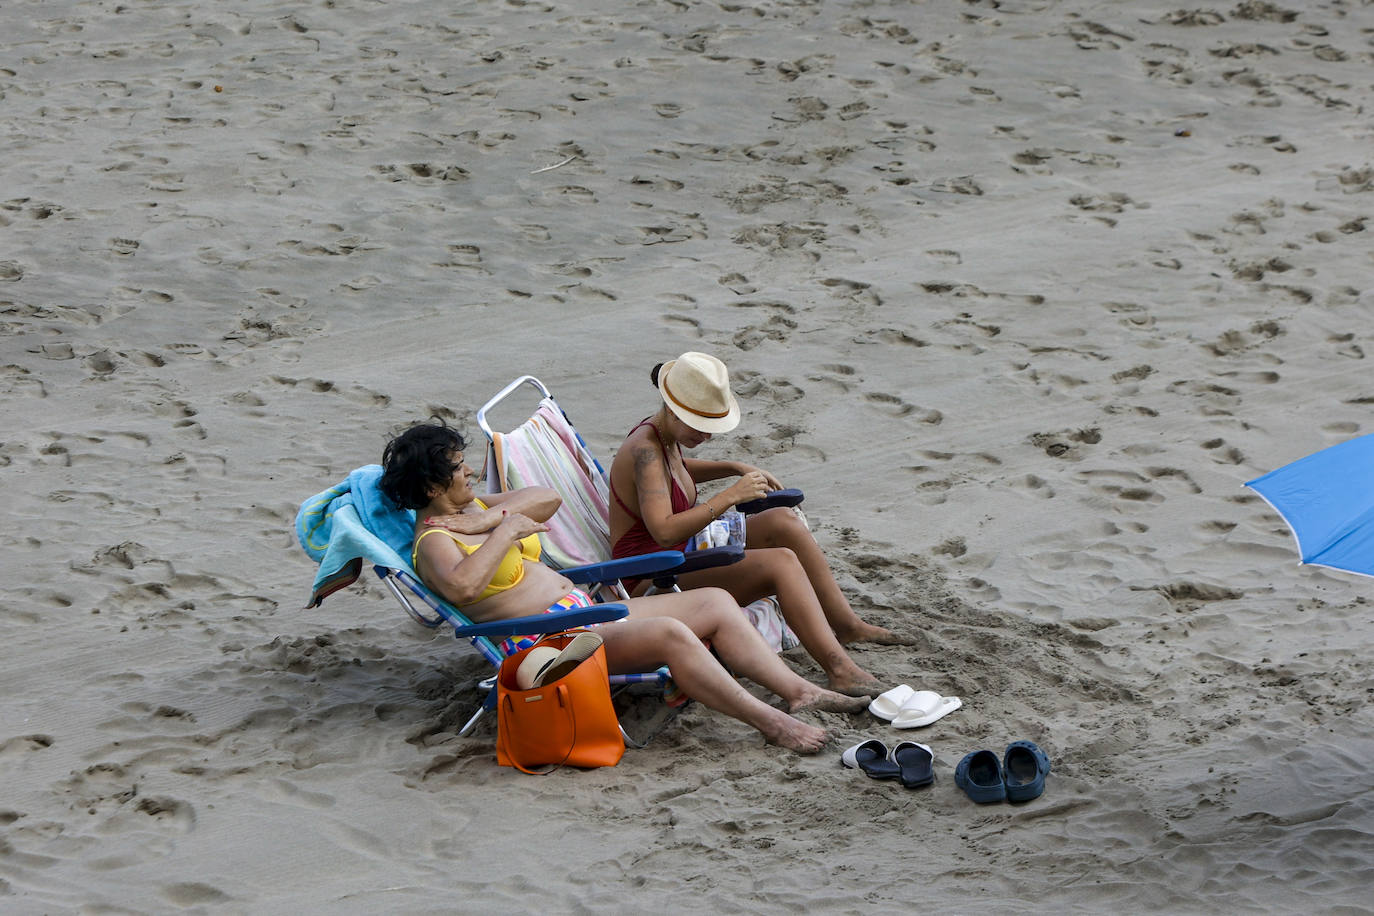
<point>823,700</point>
<point>867,632</point>
<point>860,684</point>
<point>859,690</point>
<point>795,735</point>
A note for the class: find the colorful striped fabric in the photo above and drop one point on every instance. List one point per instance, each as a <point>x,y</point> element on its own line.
<point>546,451</point>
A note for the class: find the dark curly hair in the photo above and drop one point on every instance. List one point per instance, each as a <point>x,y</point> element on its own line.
<point>417,461</point>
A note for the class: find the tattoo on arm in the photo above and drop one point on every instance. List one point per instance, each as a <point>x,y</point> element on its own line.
<point>649,483</point>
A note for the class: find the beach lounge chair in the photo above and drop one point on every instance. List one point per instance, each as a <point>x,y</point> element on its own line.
<point>546,450</point>
<point>352,523</point>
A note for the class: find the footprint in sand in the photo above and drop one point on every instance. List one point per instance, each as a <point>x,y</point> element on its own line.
<point>951,547</point>
<point>970,291</point>
<point>167,812</point>
<point>656,183</point>
<point>894,406</point>
<point>16,380</point>
<point>24,744</point>
<point>1216,400</point>
<point>586,293</point>
<point>1185,597</point>
<point>1093,36</point>
<point>936,492</point>
<point>145,359</point>
<point>961,184</point>
<point>1133,374</point>
<point>1256,270</point>
<point>1216,527</point>
<point>101,363</point>
<point>1222,453</point>
<point>1177,477</point>
<point>782,238</point>
<point>1032,485</point>
<point>684,323</point>
<point>666,233</point>
<point>355,393</point>
<point>1033,161</point>
<point>1251,378</point>
<point>738,284</point>
<point>1067,444</point>
<point>360,284</point>
<point>1126,486</point>
<point>30,605</point>
<point>853,290</point>
<point>422,172</point>
<point>837,376</point>
<point>776,326</point>
<point>1107,202</point>
<point>193,894</point>
<point>754,386</point>
<point>1233,342</point>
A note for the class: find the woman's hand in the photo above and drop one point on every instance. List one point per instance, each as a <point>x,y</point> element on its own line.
<point>518,526</point>
<point>479,522</point>
<point>773,482</point>
<point>751,485</point>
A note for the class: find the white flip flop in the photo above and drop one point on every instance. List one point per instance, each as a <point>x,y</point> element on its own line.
<point>924,707</point>
<point>887,705</point>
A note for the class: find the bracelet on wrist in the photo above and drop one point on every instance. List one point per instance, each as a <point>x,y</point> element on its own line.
<point>711,509</point>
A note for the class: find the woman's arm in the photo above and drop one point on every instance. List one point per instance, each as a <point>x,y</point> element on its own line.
<point>669,528</point>
<point>538,503</point>
<point>702,471</point>
<point>461,577</point>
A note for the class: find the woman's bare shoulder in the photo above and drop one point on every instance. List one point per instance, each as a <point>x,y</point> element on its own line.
<point>635,443</point>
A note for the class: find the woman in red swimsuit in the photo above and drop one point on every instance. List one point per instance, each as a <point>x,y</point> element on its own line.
<point>654,507</point>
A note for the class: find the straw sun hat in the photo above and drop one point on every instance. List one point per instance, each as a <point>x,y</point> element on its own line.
<point>545,664</point>
<point>696,387</point>
<point>535,662</point>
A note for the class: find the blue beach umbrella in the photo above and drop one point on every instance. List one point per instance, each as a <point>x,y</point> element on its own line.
<point>1327,499</point>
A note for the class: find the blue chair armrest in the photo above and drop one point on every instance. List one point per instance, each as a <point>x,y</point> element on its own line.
<point>788,497</point>
<point>709,558</point>
<point>627,568</point>
<point>545,623</point>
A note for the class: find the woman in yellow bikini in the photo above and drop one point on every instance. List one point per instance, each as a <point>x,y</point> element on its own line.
<point>482,555</point>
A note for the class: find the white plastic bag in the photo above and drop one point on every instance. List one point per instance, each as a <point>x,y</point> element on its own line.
<point>726,530</point>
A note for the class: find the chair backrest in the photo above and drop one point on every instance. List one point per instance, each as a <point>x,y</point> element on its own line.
<point>546,450</point>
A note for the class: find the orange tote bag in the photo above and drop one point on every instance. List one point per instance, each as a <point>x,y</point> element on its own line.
<point>568,721</point>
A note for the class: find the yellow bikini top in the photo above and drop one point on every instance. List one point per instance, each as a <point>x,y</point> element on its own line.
<point>512,568</point>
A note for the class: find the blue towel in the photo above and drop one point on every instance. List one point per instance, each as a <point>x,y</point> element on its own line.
<point>351,522</point>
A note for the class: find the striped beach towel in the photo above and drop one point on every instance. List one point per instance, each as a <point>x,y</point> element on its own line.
<point>545,451</point>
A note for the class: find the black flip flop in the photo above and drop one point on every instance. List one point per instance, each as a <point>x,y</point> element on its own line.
<point>872,757</point>
<point>915,764</point>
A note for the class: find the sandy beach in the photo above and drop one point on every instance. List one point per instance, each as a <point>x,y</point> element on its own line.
<point>1020,294</point>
